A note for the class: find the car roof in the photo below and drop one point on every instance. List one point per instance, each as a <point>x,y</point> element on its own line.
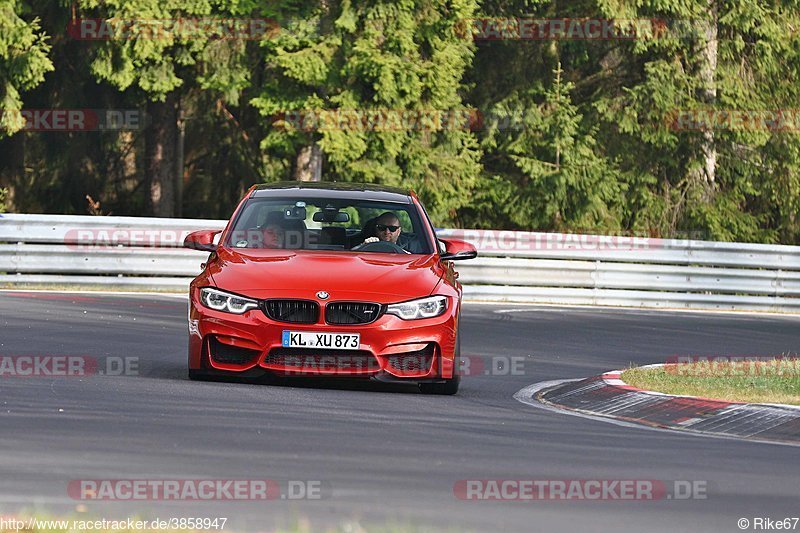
<point>329,189</point>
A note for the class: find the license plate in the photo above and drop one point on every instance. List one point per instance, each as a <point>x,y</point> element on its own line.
<point>329,341</point>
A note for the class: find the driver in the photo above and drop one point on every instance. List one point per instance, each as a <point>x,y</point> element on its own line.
<point>388,229</point>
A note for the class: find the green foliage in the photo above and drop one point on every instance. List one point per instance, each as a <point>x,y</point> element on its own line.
<point>579,135</point>
<point>664,76</point>
<point>158,58</point>
<point>23,62</point>
<point>560,180</point>
<point>3,196</point>
<point>613,120</point>
<point>388,58</point>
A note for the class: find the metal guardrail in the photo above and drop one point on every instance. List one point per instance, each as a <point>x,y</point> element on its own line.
<point>144,253</point>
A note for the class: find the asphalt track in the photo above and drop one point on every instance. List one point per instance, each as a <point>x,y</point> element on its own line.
<point>386,455</point>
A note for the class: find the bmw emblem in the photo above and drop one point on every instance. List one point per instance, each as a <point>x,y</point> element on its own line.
<point>322,295</point>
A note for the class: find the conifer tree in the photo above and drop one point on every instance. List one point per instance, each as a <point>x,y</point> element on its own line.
<point>24,61</point>
<point>399,60</point>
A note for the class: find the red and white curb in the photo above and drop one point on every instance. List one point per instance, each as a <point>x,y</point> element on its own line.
<point>608,398</point>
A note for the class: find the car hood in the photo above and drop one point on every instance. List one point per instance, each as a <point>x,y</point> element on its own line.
<point>377,277</point>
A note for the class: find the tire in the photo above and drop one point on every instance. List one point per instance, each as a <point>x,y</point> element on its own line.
<point>447,388</point>
<point>450,386</point>
<point>197,375</point>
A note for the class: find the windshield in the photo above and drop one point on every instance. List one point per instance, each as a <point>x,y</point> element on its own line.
<point>299,223</point>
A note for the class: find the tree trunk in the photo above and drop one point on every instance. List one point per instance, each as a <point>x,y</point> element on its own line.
<point>161,136</point>
<point>308,166</point>
<point>14,176</point>
<point>708,94</point>
<point>179,162</point>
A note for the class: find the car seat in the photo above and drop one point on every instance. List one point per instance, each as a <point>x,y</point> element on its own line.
<point>367,231</point>
<point>333,235</point>
<point>294,229</point>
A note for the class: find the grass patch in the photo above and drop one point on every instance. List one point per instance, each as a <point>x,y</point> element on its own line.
<point>773,380</point>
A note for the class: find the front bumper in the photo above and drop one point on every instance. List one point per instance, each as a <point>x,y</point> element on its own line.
<point>391,349</point>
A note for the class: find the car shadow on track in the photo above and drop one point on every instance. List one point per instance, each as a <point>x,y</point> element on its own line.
<point>178,372</point>
<point>330,384</point>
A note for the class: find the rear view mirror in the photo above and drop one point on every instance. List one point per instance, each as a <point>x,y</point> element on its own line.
<point>331,216</point>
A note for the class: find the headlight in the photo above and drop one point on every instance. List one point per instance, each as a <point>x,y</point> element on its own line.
<point>423,308</point>
<point>225,301</point>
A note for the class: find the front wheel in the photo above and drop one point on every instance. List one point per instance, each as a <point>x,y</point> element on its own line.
<point>198,375</point>
<point>449,386</point>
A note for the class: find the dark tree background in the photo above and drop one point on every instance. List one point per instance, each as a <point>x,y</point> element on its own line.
<point>566,134</point>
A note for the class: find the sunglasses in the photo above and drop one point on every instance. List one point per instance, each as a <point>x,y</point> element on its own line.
<point>384,227</point>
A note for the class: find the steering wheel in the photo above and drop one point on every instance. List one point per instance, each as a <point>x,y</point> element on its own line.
<point>380,246</point>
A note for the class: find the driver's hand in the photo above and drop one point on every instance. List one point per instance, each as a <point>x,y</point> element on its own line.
<point>371,239</point>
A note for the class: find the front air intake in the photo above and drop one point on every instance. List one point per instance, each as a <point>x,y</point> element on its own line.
<point>412,363</point>
<point>230,355</point>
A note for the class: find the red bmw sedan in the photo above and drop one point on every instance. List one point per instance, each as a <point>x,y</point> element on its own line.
<point>328,279</point>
